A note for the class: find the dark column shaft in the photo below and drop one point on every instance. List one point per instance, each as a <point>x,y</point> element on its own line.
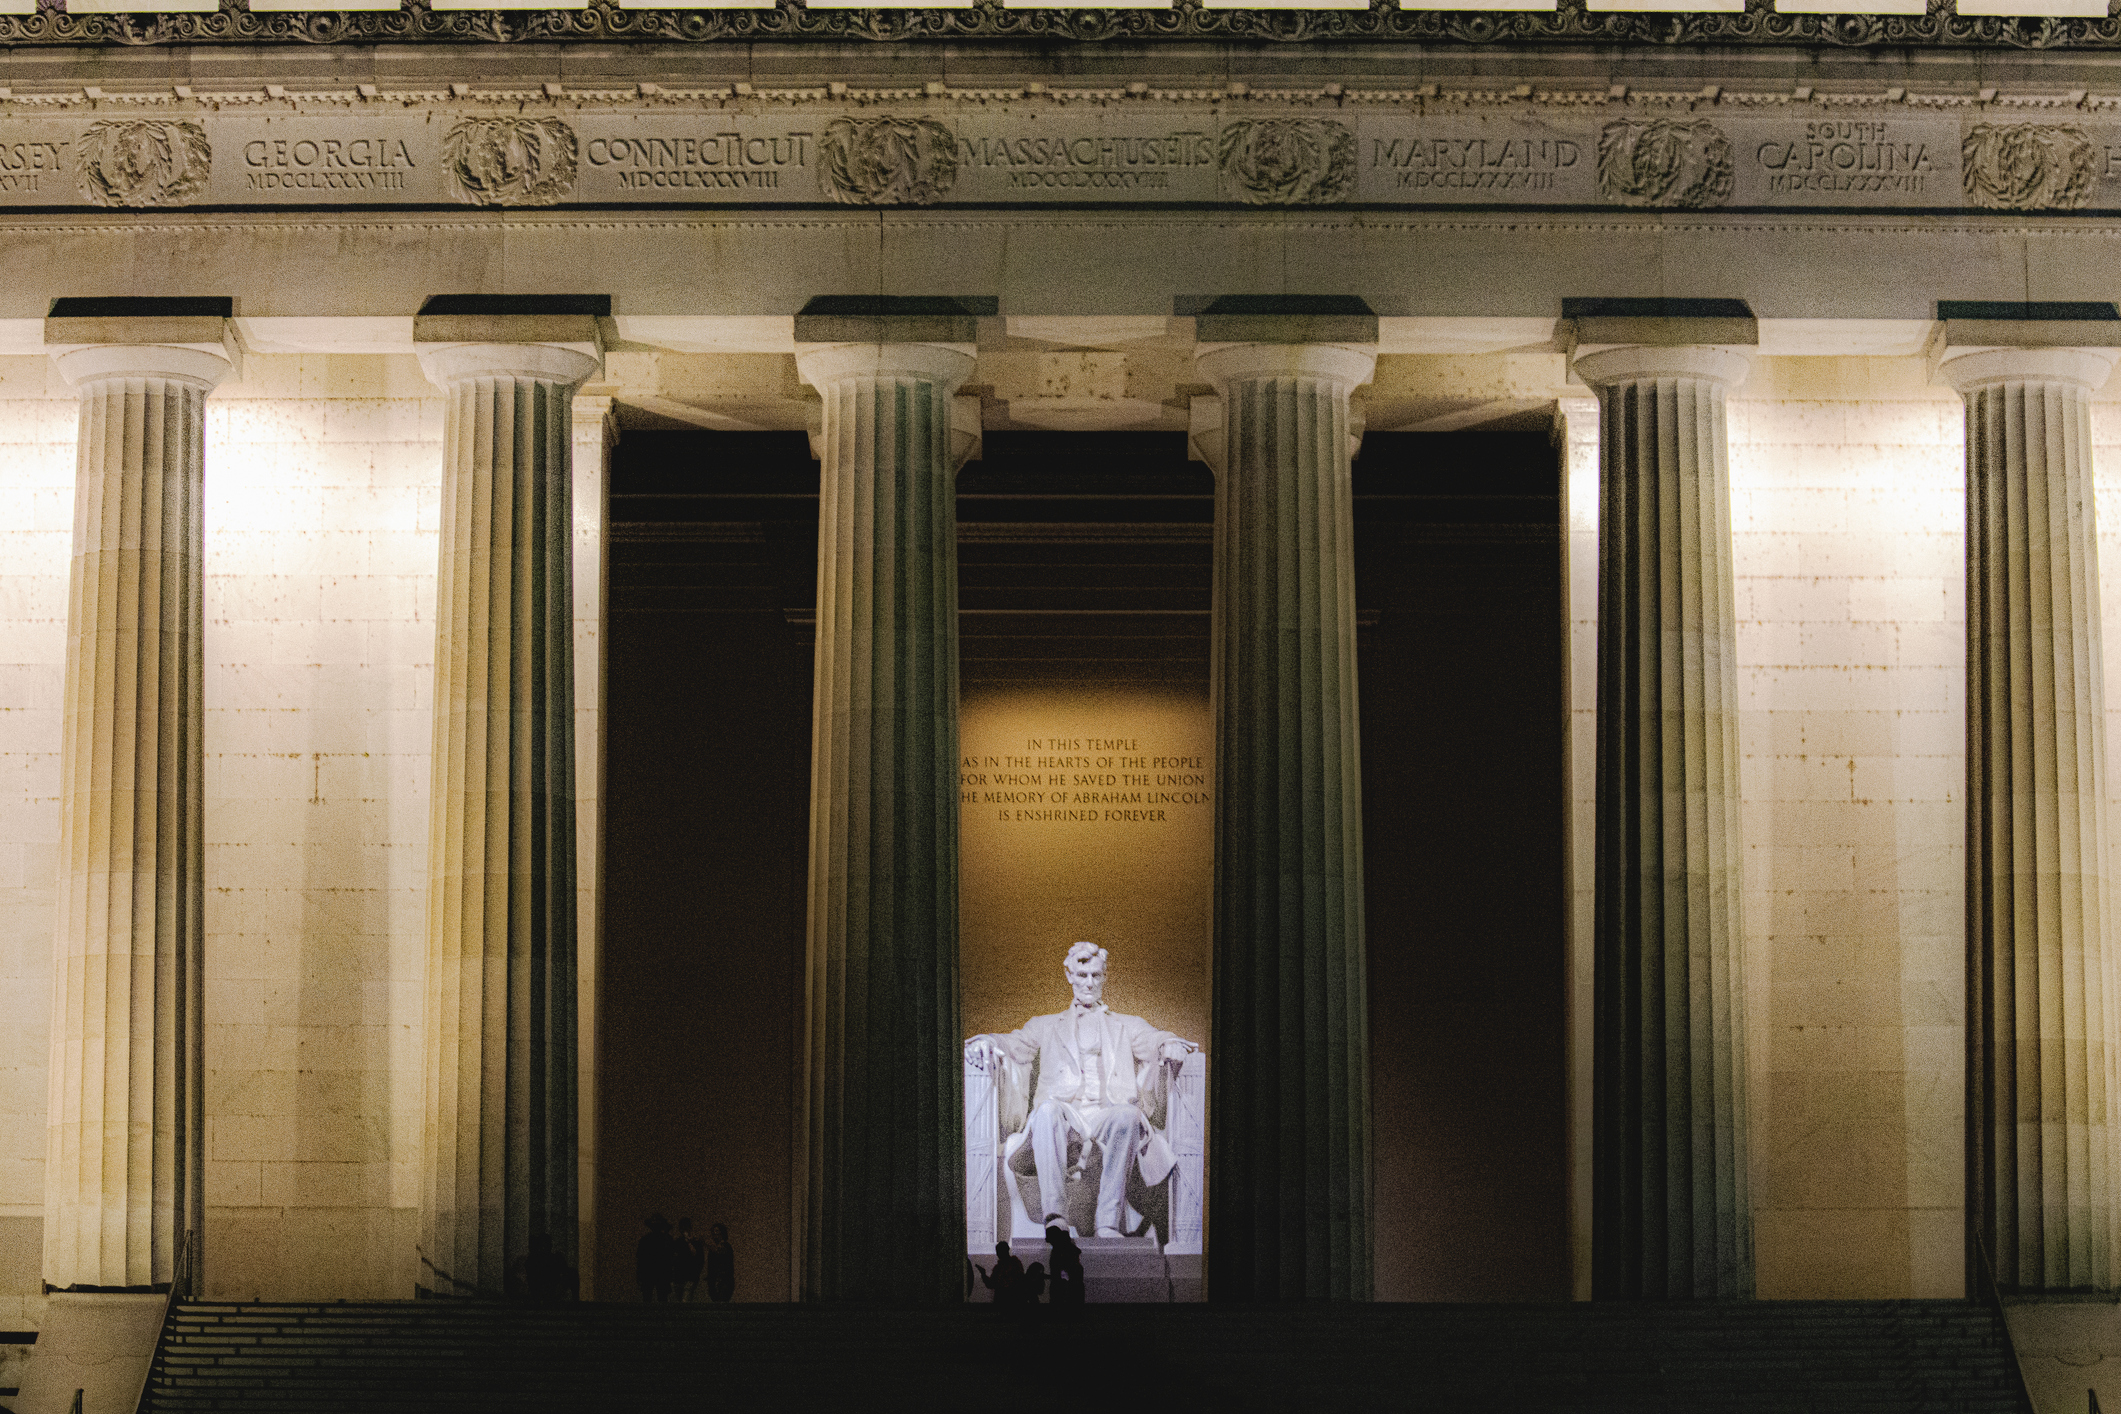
<point>1288,1133</point>
<point>884,1167</point>
<point>1671,1204</point>
<point>126,1130</point>
<point>501,988</point>
<point>2039,1136</point>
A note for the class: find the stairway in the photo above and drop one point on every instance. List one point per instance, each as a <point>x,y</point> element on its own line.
<point>1798,1357</point>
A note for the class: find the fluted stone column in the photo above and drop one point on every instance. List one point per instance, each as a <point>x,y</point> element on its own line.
<point>1288,1072</point>
<point>500,1137</point>
<point>1671,1203</point>
<point>2039,1185</point>
<point>884,1202</point>
<point>125,1136</point>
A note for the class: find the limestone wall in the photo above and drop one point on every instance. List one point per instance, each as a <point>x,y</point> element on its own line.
<point>323,492</point>
<point>1847,518</point>
<point>36,538</point>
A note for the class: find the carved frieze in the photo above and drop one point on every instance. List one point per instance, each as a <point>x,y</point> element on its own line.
<point>1041,154</point>
<point>1288,161</point>
<point>887,161</point>
<point>143,162</point>
<point>2028,166</point>
<point>510,161</point>
<point>1663,162</point>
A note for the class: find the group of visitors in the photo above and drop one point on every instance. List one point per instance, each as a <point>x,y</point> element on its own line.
<point>1014,1284</point>
<point>669,1264</point>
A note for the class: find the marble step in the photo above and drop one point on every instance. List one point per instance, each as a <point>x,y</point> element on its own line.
<point>1115,1269</point>
<point>467,1358</point>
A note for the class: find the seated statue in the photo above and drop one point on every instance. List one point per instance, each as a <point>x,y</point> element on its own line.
<point>1093,1067</point>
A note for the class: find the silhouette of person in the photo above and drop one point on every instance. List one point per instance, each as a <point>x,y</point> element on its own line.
<point>1006,1281</point>
<point>691,1254</point>
<point>1034,1287</point>
<point>1067,1274</point>
<point>720,1260</point>
<point>655,1259</point>
<point>546,1275</point>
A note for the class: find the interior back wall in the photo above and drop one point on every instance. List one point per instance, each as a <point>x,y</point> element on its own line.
<point>1458,565</point>
<point>708,817</point>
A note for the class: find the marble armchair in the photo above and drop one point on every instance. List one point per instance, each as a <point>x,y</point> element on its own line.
<point>999,1181</point>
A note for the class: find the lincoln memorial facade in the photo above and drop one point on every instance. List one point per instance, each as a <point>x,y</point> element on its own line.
<point>586,594</point>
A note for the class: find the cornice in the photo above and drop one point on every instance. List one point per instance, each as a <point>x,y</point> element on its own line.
<point>988,23</point>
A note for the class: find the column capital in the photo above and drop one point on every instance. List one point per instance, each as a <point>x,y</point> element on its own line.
<point>197,349</point>
<point>1602,322</point>
<point>1349,365</point>
<point>537,338</point>
<point>1625,363</point>
<point>1978,343</point>
<point>1281,319</point>
<point>572,363</point>
<point>1968,369</point>
<point>893,319</point>
<point>944,364</point>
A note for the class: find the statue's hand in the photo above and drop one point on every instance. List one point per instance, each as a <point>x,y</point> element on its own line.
<point>981,1046</point>
<point>1176,1051</point>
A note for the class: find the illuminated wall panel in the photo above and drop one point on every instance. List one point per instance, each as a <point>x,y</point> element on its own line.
<point>322,495</point>
<point>37,418</point>
<point>1847,518</point>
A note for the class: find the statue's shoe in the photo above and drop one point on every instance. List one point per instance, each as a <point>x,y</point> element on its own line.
<point>1110,1232</point>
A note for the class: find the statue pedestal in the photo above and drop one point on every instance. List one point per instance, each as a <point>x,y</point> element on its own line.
<point>1124,1269</point>
<point>1115,1269</point>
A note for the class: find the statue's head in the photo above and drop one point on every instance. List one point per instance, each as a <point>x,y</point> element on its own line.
<point>1085,968</point>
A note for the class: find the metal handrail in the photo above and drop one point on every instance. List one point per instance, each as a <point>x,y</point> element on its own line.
<point>180,1280</point>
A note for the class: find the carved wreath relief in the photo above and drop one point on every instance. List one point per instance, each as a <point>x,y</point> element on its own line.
<point>1288,161</point>
<point>510,161</point>
<point>887,161</point>
<point>2028,166</point>
<point>1659,162</point>
<point>143,162</point>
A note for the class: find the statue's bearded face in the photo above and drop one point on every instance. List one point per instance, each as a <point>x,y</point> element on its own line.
<point>1088,979</point>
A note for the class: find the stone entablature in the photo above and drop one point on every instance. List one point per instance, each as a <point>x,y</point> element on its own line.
<point>1026,148</point>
